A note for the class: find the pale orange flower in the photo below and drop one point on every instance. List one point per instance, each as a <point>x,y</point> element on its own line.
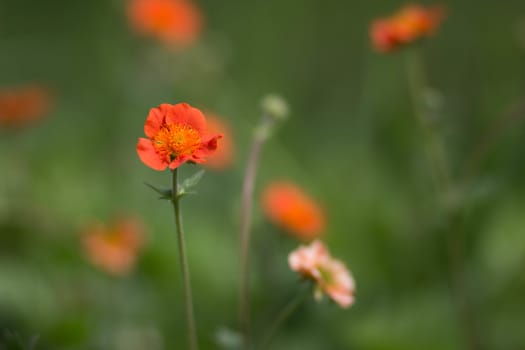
<point>223,157</point>
<point>115,248</point>
<point>329,275</point>
<point>409,24</point>
<point>174,22</point>
<point>290,208</point>
<point>24,104</point>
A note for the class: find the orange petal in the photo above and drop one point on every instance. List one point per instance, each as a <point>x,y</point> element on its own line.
<point>207,148</point>
<point>149,156</point>
<point>223,157</point>
<point>177,162</point>
<point>185,114</point>
<point>154,122</point>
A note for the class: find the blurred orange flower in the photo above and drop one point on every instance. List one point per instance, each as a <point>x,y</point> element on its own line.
<point>223,157</point>
<point>329,275</point>
<point>175,22</point>
<point>176,134</point>
<point>24,104</point>
<point>409,24</point>
<point>114,248</point>
<point>292,209</point>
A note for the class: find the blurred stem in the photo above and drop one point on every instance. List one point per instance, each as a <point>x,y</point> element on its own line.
<point>433,143</point>
<point>183,261</point>
<point>444,188</point>
<point>489,139</point>
<point>11,197</point>
<point>261,134</point>
<point>285,313</point>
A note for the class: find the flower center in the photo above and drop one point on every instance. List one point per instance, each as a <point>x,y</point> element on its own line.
<point>326,275</point>
<point>176,140</point>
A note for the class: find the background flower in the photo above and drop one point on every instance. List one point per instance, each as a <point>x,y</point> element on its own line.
<point>290,208</point>
<point>410,23</point>
<point>174,22</point>
<point>114,247</point>
<point>330,275</point>
<point>21,105</point>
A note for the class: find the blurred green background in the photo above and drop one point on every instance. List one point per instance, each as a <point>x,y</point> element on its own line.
<point>352,141</point>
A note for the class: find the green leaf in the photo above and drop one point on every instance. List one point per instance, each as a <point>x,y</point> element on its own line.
<point>164,193</point>
<point>189,183</point>
<point>10,340</point>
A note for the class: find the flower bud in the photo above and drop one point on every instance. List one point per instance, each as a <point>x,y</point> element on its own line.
<point>275,106</point>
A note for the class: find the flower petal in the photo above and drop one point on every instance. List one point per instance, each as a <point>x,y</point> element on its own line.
<point>149,156</point>
<point>207,147</point>
<point>185,114</point>
<point>177,162</point>
<point>211,142</point>
<point>341,297</point>
<point>223,157</point>
<point>154,121</point>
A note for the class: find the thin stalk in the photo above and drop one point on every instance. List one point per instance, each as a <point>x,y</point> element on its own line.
<point>489,139</point>
<point>183,262</point>
<point>245,225</point>
<point>286,312</point>
<point>442,180</point>
<point>433,143</point>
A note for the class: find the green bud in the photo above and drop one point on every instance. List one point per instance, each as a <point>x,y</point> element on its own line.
<point>275,106</point>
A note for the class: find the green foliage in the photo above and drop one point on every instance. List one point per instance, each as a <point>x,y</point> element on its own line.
<point>12,341</point>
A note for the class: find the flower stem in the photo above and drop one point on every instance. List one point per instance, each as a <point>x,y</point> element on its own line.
<point>506,120</point>
<point>245,225</point>
<point>433,142</point>
<point>183,261</point>
<point>286,312</point>
<point>443,184</point>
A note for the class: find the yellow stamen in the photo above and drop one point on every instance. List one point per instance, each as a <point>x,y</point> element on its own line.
<point>175,140</point>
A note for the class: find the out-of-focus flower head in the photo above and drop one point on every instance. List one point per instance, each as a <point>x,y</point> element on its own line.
<point>329,275</point>
<point>114,248</point>
<point>176,134</point>
<point>19,106</point>
<point>224,156</point>
<point>290,208</point>
<point>174,22</point>
<point>409,24</point>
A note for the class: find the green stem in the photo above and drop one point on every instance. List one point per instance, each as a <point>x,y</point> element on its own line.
<point>183,261</point>
<point>261,135</point>
<point>513,115</point>
<point>432,140</point>
<point>286,312</point>
<point>442,180</point>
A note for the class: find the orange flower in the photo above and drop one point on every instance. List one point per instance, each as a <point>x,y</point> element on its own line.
<point>114,248</point>
<point>330,275</point>
<point>176,22</point>
<point>406,26</point>
<point>24,104</point>
<point>177,134</point>
<point>223,157</point>
<point>293,210</point>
